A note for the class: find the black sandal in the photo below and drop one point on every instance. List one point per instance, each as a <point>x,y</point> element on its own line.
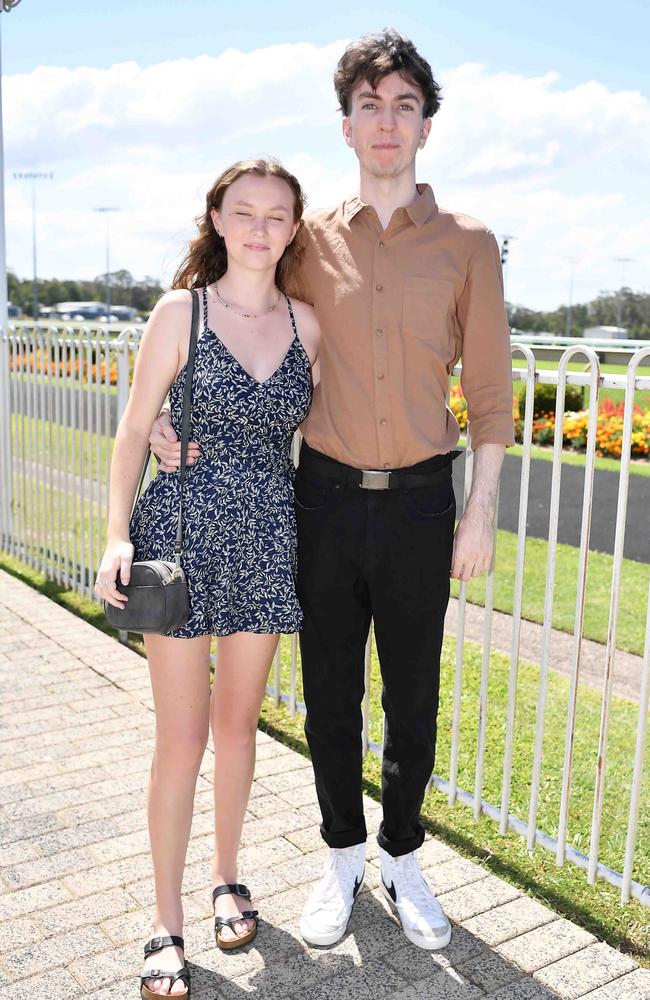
<point>151,947</point>
<point>219,922</point>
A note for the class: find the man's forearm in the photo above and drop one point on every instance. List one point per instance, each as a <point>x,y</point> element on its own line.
<point>488,460</point>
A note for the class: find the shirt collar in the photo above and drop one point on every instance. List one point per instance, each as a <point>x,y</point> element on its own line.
<point>421,209</point>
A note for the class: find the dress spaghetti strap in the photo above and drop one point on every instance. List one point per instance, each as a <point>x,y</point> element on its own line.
<point>292,317</point>
<point>205,309</point>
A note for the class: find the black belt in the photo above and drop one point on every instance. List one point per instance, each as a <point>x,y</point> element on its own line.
<point>372,479</point>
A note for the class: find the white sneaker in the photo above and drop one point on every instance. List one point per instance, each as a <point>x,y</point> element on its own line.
<point>328,909</point>
<point>423,918</point>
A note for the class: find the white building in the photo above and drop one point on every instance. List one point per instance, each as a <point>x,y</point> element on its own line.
<point>605,333</point>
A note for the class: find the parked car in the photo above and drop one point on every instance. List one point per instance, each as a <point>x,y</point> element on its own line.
<point>90,311</point>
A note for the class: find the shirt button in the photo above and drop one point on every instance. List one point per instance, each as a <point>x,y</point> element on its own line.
<point>380,375</point>
<point>379,331</point>
<point>382,420</point>
<point>381,244</point>
<point>379,288</point>
<point>386,465</point>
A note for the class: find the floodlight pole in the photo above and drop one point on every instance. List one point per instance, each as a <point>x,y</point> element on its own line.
<point>32,176</point>
<point>572,261</point>
<point>106,210</point>
<point>6,467</point>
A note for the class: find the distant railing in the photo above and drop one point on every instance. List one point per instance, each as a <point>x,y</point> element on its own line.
<point>63,390</point>
<point>610,350</point>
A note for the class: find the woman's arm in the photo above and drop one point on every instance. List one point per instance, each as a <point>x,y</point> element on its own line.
<point>162,353</point>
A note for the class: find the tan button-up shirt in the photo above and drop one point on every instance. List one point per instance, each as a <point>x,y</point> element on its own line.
<point>397,308</point>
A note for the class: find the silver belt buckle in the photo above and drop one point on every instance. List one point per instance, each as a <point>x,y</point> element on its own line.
<point>374,480</point>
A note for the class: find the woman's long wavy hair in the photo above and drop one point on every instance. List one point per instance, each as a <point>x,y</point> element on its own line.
<point>206,259</point>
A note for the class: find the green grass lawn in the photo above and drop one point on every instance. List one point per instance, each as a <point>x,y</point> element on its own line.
<point>77,451</point>
<point>638,466</point>
<point>635,580</point>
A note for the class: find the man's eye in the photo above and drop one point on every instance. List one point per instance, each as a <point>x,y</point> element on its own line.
<point>275,218</point>
<point>368,106</point>
<point>406,107</point>
<point>243,213</point>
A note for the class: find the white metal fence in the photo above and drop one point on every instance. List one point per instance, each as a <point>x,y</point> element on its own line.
<point>63,390</point>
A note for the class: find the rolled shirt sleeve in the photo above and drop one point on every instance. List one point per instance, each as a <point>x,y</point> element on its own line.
<point>486,377</point>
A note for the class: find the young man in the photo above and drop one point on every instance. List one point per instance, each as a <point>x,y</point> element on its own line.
<point>401,289</point>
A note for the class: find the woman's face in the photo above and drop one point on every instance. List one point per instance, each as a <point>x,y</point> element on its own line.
<point>256,220</point>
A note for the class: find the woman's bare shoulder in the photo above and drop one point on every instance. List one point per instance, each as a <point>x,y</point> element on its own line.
<point>172,304</point>
<point>307,326</point>
<point>306,320</point>
<point>170,316</point>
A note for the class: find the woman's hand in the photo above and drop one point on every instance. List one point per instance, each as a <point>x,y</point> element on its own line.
<point>117,558</point>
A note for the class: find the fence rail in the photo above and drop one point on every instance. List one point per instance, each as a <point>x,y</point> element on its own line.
<point>63,390</point>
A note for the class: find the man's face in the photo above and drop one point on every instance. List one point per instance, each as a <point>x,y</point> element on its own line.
<point>385,127</point>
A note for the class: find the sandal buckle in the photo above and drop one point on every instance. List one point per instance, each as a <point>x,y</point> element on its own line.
<point>155,944</point>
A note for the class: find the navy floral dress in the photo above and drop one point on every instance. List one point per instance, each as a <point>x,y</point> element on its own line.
<point>239,525</point>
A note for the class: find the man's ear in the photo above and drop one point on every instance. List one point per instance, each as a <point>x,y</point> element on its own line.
<point>424,134</point>
<point>346,126</point>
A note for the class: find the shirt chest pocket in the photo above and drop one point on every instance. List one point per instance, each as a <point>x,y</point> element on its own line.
<point>427,314</point>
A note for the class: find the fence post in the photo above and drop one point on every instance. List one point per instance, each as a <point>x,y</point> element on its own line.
<point>122,350</point>
<point>615,593</point>
<point>123,376</point>
<point>6,466</point>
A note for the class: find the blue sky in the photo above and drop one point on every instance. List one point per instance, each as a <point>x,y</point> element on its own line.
<point>579,39</point>
<point>543,134</point>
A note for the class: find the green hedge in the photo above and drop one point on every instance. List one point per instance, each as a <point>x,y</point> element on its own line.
<point>545,399</point>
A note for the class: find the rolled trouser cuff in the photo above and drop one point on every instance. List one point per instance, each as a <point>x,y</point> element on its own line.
<point>348,838</point>
<point>397,848</point>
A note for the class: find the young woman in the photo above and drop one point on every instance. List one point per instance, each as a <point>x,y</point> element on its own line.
<point>252,386</point>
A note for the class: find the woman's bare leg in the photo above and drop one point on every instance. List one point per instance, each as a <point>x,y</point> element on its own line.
<point>243,664</point>
<point>180,680</point>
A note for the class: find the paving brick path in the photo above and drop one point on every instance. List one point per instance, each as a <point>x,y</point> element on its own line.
<point>75,880</point>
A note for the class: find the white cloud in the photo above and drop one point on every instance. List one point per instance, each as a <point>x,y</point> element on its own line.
<point>559,167</point>
<point>512,121</point>
<point>68,111</point>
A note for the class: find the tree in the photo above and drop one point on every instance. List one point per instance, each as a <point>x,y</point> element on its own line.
<point>633,309</point>
<point>125,291</point>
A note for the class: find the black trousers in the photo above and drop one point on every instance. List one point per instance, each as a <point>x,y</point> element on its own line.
<point>385,555</point>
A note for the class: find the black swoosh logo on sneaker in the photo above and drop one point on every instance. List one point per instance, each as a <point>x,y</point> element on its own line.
<point>391,891</point>
<point>357,886</point>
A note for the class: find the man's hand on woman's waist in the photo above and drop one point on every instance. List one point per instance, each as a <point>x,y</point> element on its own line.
<point>166,446</point>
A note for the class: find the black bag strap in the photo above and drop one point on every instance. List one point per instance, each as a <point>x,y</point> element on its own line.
<point>185,426</point>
